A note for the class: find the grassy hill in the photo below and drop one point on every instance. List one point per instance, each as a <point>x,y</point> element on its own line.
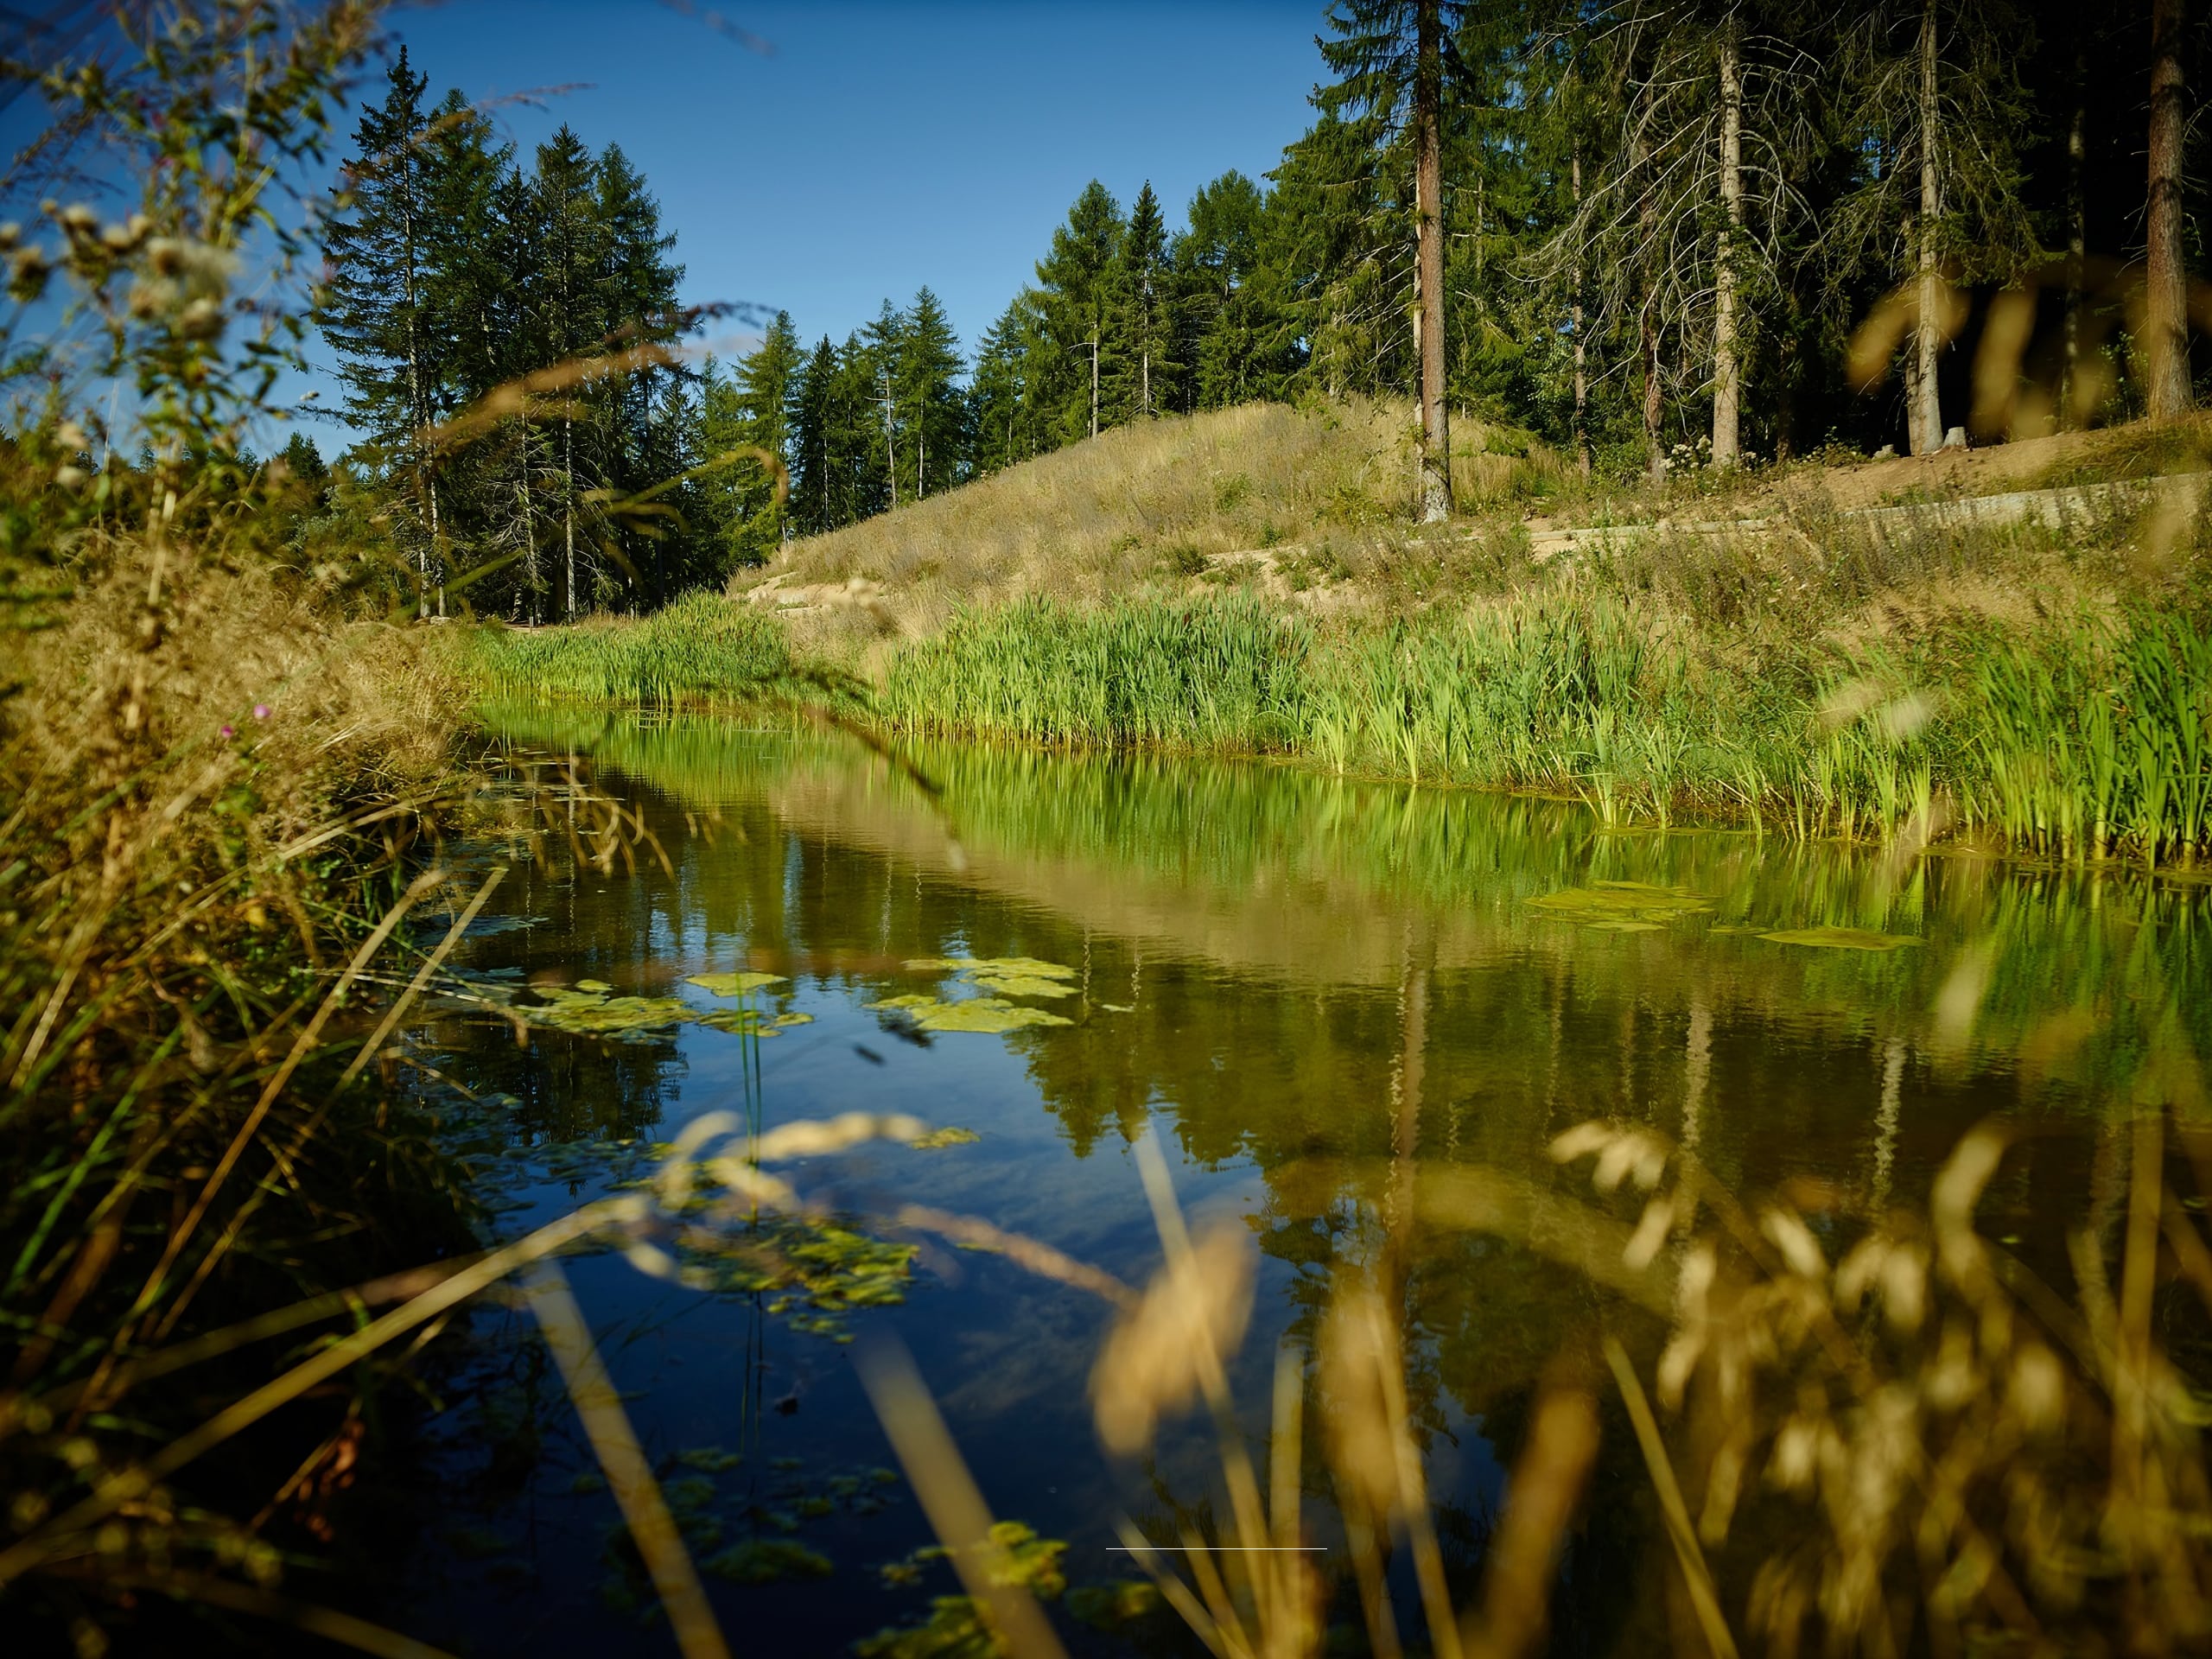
<point>1158,505</point>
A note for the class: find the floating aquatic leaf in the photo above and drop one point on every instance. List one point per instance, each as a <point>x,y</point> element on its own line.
<point>767,1560</point>
<point>744,1021</point>
<point>1019,985</point>
<point>955,1627</point>
<point>1841,938</point>
<point>1622,907</point>
<point>712,1458</point>
<point>589,1008</point>
<point>951,1135</point>
<point>794,1018</point>
<point>738,984</point>
<point>825,1269</point>
<point>1026,965</point>
<point>983,1014</point>
<point>688,1492</point>
<point>586,1008</point>
<point>1110,1606</point>
<point>485,927</point>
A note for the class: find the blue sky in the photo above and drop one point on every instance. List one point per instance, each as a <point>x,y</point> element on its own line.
<point>881,146</point>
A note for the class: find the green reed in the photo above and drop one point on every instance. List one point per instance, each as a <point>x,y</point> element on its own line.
<point>1216,675</point>
<point>701,649</point>
<point>2077,737</point>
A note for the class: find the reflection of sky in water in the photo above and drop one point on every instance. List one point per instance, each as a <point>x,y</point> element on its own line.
<point>1262,929</point>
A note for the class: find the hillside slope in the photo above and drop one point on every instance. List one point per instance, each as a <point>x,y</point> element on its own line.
<point>1148,504</point>
<point>1316,506</point>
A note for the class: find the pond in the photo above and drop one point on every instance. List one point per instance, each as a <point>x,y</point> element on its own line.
<point>1300,990</point>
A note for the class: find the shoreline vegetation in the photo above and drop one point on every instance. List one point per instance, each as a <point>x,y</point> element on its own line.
<point>2047,688</point>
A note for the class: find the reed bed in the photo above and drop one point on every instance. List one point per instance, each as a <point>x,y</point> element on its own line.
<point>702,648</point>
<point>2086,737</point>
<point>2083,735</point>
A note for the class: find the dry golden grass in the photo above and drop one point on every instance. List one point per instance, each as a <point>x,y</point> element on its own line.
<point>157,655</point>
<point>1148,505</point>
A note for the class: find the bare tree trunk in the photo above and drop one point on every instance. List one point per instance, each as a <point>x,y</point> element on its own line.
<point>1928,401</point>
<point>890,443</point>
<point>1654,448</point>
<point>437,543</point>
<point>1094,385</point>
<point>1428,136</point>
<point>1727,371</point>
<point>2076,225</point>
<point>2165,283</point>
<point>568,504</point>
<point>417,409</point>
<point>1581,365</point>
<point>1647,319</point>
<point>528,529</point>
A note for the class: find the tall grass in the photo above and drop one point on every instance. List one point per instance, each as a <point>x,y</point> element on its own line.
<point>2083,738</point>
<point>2098,737</point>
<point>1213,674</point>
<point>2080,736</point>
<point>702,648</point>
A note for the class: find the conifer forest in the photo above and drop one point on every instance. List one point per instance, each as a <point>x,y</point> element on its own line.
<point>1657,230</point>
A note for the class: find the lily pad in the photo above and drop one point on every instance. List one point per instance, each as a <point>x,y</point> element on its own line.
<point>767,1560</point>
<point>1029,966</point>
<point>711,1459</point>
<point>818,1269</point>
<point>1622,907</point>
<point>982,1013</point>
<point>950,1135</point>
<point>1019,985</point>
<point>589,1008</point>
<point>738,984</point>
<point>1841,938</point>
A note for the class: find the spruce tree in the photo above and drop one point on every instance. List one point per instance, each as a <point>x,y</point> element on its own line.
<point>812,415</point>
<point>1145,367</point>
<point>758,403</point>
<point>636,305</point>
<point>1213,260</point>
<point>570,325</point>
<point>1076,279</point>
<point>936,417</point>
<point>374,307</point>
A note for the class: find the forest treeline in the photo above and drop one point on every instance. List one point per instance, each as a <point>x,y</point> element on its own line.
<point>1657,232</point>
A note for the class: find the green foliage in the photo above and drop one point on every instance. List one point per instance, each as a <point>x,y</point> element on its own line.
<point>956,1627</point>
<point>1204,674</point>
<point>703,648</point>
<point>506,339</point>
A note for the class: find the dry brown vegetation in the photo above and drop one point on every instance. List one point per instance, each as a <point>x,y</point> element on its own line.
<point>1157,504</point>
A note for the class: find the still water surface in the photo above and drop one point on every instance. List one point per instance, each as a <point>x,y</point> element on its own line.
<point>1290,981</point>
